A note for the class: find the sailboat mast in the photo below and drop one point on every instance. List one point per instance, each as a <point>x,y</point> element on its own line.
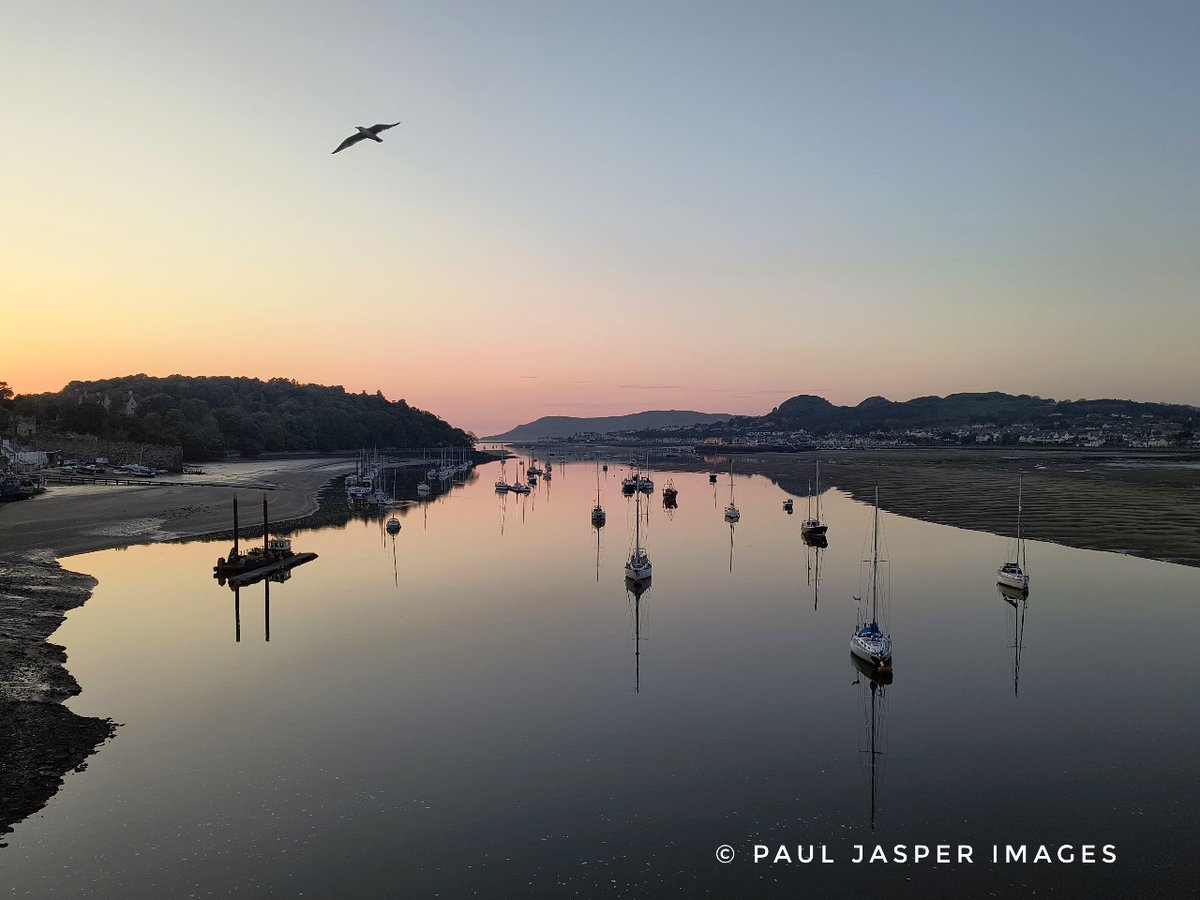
<point>818,490</point>
<point>875,561</point>
<point>637,524</point>
<point>1020,489</point>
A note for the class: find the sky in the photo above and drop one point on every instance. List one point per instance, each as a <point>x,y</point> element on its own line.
<point>599,208</point>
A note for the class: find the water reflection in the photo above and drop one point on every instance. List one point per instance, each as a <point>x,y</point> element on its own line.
<point>596,527</point>
<point>501,683</point>
<point>815,547</point>
<point>266,579</point>
<point>1018,600</point>
<point>634,590</point>
<point>873,703</point>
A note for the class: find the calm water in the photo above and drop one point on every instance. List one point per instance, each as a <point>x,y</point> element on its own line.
<point>465,710</point>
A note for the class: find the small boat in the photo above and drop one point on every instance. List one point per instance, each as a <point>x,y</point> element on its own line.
<point>868,642</point>
<point>393,525</point>
<point>638,568</point>
<point>787,506</point>
<point>518,488</point>
<point>812,525</point>
<point>731,511</point>
<point>423,489</point>
<point>712,477</point>
<point>1012,574</point>
<point>670,494</point>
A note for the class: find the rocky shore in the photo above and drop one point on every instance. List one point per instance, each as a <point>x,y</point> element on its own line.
<point>40,740</point>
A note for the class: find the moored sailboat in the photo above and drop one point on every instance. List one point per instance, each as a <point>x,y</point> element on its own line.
<point>638,568</point>
<point>732,514</point>
<point>1014,574</point>
<point>812,526</point>
<point>598,516</point>
<point>868,642</point>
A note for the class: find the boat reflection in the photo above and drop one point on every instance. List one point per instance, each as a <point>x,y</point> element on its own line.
<point>267,578</point>
<point>1018,599</point>
<point>596,527</point>
<point>815,550</point>
<point>634,590</point>
<point>815,540</point>
<point>873,685</point>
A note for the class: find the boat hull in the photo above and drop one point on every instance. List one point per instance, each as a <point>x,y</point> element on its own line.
<point>637,572</point>
<point>1009,579</point>
<point>810,529</point>
<point>874,650</point>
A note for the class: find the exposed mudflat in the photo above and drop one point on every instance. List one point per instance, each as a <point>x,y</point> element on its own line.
<point>1141,504</point>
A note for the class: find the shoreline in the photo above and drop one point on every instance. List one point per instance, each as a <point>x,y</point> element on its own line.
<point>1136,504</point>
<point>41,740</point>
<point>70,520</point>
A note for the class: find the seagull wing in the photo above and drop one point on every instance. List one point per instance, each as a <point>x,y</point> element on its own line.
<point>375,129</point>
<point>349,142</point>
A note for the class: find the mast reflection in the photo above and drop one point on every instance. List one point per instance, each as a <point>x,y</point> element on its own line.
<point>640,612</point>
<point>266,580</point>
<point>815,545</point>
<point>1018,600</point>
<point>873,701</point>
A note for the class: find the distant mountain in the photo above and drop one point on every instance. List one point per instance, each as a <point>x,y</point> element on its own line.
<point>565,426</point>
<point>817,415</point>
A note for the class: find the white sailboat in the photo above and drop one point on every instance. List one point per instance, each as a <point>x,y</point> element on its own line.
<point>1013,574</point>
<point>868,642</point>
<point>813,526</point>
<point>502,482</point>
<point>731,511</point>
<point>638,567</point>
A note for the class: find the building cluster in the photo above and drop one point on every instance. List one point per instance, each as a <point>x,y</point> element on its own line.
<point>1096,430</point>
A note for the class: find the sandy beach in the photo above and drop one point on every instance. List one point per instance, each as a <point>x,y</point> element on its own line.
<point>77,519</point>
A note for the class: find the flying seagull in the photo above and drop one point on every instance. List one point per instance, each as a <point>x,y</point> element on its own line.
<point>372,133</point>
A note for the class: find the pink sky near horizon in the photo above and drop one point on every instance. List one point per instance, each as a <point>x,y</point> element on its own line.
<point>596,210</point>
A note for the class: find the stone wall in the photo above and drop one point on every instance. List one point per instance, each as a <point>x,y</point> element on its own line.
<point>87,449</point>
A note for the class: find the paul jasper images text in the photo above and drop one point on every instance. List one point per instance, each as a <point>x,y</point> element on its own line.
<point>941,854</point>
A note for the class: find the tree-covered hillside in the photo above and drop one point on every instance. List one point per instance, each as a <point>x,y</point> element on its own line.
<point>209,416</point>
<point>818,416</point>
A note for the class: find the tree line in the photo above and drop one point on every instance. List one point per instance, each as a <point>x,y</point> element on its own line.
<point>210,416</point>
